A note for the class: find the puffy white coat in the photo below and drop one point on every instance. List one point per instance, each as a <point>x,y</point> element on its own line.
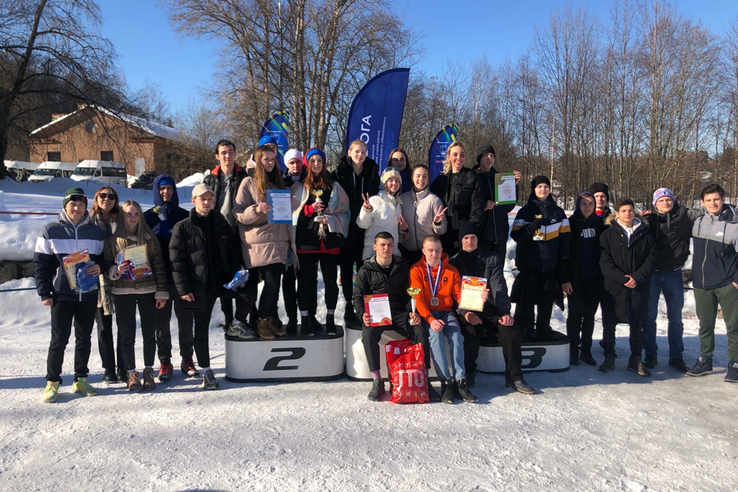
<point>386,210</point>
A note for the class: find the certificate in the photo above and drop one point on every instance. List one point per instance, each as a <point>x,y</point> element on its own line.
<point>139,261</point>
<point>70,265</point>
<point>471,293</point>
<point>505,189</point>
<point>377,306</point>
<point>280,206</point>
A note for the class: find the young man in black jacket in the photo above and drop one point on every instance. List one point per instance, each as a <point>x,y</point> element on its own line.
<point>385,273</point>
<point>626,260</point>
<point>161,218</point>
<point>585,279</point>
<point>205,255</point>
<point>671,226</point>
<point>494,226</point>
<point>495,319</point>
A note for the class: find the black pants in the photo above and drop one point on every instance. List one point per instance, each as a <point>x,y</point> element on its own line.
<point>226,305</point>
<point>289,292</point>
<point>125,315</point>
<point>371,335</point>
<point>636,336</point>
<point>583,305</point>
<point>105,345</point>
<point>351,252</point>
<point>536,290</point>
<point>307,287</point>
<point>200,339</point>
<point>163,321</point>
<point>412,257</point>
<point>268,301</point>
<point>507,336</point>
<point>63,314</point>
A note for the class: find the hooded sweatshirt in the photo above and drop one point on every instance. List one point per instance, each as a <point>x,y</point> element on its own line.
<point>162,217</point>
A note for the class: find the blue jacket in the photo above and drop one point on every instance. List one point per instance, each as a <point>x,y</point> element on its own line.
<point>715,241</point>
<point>57,240</point>
<point>162,218</point>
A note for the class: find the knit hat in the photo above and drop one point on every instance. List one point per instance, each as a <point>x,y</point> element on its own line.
<point>74,194</point>
<point>201,189</point>
<point>267,139</point>
<point>538,180</point>
<point>311,152</point>
<point>389,173</point>
<point>600,187</point>
<point>167,180</point>
<point>660,193</point>
<point>293,154</point>
<point>467,228</point>
<point>483,150</point>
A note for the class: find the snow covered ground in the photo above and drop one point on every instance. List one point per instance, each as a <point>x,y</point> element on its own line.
<point>585,430</point>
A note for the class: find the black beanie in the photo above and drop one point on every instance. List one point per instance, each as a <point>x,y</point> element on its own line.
<point>597,187</point>
<point>466,229</point>
<point>483,150</point>
<point>538,180</point>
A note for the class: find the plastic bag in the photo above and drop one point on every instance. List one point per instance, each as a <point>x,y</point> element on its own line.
<point>85,281</point>
<point>408,375</point>
<point>239,280</point>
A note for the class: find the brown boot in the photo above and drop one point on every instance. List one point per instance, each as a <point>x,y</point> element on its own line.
<point>263,328</point>
<point>134,381</point>
<point>276,327</point>
<point>148,379</point>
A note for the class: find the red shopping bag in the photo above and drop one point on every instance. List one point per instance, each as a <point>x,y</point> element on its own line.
<point>408,376</point>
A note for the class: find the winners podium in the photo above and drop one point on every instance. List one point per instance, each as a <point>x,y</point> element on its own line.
<point>288,358</point>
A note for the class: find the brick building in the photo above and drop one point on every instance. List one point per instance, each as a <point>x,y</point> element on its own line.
<point>97,133</point>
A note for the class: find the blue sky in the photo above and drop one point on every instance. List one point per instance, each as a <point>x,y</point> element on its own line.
<point>461,30</point>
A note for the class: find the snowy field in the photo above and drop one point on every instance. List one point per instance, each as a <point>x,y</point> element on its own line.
<point>584,431</point>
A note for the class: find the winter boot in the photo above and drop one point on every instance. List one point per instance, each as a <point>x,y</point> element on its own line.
<point>292,326</point>
<point>330,324</point>
<point>609,364</point>
<point>277,327</point>
<point>315,324</point>
<point>732,376</point>
<point>264,330</point>
<point>464,392</point>
<point>165,370</point>
<point>650,361</point>
<point>148,379</point>
<point>447,390</point>
<point>679,365</point>
<point>702,367</point>
<point>587,358</point>
<point>636,365</point>
<point>349,317</point>
<point>306,329</point>
<point>377,390</point>
<point>134,381</point>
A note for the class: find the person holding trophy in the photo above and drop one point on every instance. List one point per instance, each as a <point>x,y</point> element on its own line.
<point>385,273</point>
<point>542,233</point>
<point>320,223</point>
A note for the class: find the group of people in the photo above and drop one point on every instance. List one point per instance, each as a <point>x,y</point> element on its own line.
<point>386,232</point>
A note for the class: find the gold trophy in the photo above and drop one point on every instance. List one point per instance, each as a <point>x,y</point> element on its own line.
<point>538,235</point>
<point>413,292</point>
<point>317,194</point>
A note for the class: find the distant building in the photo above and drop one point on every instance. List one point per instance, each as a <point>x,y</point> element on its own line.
<point>93,132</point>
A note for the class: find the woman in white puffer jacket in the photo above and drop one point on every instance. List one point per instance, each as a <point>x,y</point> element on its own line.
<point>383,212</point>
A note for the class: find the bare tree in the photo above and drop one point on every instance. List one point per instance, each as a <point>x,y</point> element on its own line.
<point>52,57</point>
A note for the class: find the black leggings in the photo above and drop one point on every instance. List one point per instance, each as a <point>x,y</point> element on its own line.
<point>267,305</point>
<point>307,286</point>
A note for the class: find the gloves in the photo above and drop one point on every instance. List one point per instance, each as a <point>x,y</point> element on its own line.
<point>535,225</point>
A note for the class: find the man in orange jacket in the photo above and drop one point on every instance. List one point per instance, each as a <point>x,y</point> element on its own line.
<point>440,290</point>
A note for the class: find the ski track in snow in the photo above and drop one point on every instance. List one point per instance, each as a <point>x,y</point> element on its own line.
<point>585,430</point>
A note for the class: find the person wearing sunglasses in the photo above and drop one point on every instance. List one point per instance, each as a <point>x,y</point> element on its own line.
<point>73,232</point>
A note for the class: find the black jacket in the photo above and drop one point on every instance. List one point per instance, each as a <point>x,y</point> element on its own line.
<point>487,265</point>
<point>551,253</point>
<point>461,194</point>
<point>672,233</point>
<point>367,181</point>
<point>196,258</point>
<point>619,258</point>
<point>371,279</point>
<point>162,218</point>
<point>493,226</point>
<point>584,251</point>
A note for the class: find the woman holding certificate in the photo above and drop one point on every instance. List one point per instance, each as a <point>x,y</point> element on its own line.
<point>320,220</point>
<point>104,214</point>
<point>458,187</point>
<point>135,265</point>
<point>265,243</point>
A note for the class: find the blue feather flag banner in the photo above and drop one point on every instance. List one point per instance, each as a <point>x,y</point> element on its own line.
<point>375,117</point>
<point>278,126</point>
<point>437,152</point>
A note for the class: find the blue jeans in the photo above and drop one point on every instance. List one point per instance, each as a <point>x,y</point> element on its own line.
<point>451,332</point>
<point>673,288</point>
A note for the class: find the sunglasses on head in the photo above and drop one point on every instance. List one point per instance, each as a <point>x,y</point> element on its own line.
<point>110,196</point>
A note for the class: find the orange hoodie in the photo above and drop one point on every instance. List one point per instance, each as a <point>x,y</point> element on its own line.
<point>449,289</point>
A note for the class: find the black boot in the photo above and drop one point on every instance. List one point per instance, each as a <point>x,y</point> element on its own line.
<point>432,393</point>
<point>377,390</point>
<point>292,325</point>
<point>464,392</point>
<point>635,364</point>
<point>306,328</point>
<point>447,390</point>
<point>330,324</point>
<point>349,317</point>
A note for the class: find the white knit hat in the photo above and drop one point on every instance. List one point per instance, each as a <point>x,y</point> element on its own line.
<point>292,154</point>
